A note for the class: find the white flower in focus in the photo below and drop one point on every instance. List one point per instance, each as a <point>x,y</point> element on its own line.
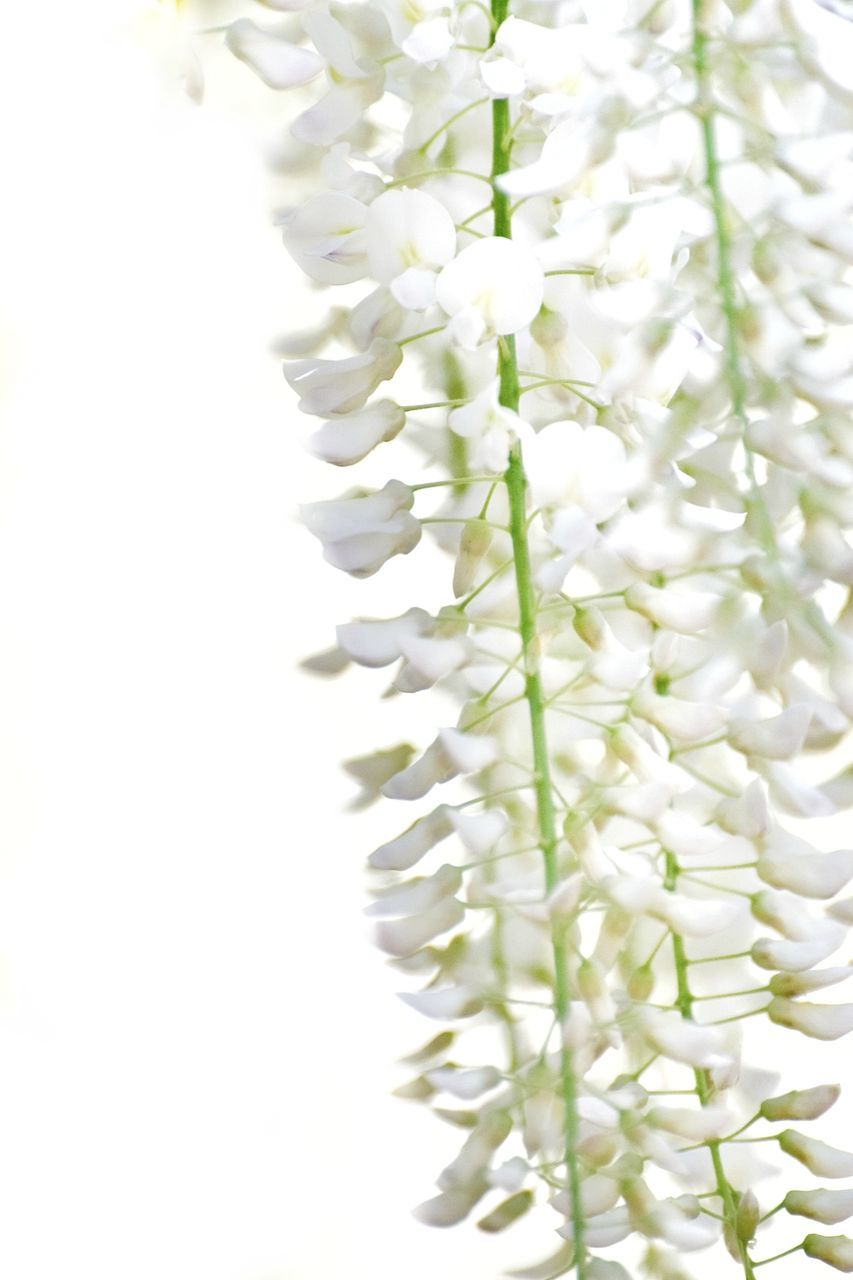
<point>360,534</point>
<point>342,386</point>
<point>837,1251</point>
<point>410,236</point>
<point>345,440</point>
<point>494,286</point>
<point>828,1207</point>
<point>325,237</point>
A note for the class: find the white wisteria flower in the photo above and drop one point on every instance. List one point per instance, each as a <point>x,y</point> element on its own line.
<point>603,250</point>
<point>493,286</point>
<point>410,236</point>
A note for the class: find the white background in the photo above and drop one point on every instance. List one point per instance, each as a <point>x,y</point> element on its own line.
<point>196,1038</point>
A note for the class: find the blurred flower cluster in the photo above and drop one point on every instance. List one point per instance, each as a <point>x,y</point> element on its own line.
<point>610,241</point>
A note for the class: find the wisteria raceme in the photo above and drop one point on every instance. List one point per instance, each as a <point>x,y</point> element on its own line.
<point>610,240</point>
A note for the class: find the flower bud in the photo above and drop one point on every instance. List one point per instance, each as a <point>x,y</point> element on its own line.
<point>473,546</point>
<point>794,957</point>
<point>798,984</point>
<point>819,1021</point>
<point>748,1214</point>
<point>464,1084</point>
<point>641,983</point>
<point>449,1207</point>
<point>444,1002</point>
<point>562,903</point>
<point>821,1205</point>
<point>818,1157</point>
<point>801,1104</point>
<point>803,870</point>
<point>402,937</point>
<point>417,840</point>
<point>835,1250</point>
<point>507,1212</point>
<point>697,1125</point>
<point>417,895</point>
<point>477,1151</point>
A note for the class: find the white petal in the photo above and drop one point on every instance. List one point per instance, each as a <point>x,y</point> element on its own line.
<point>501,77</point>
<point>418,895</point>
<point>778,738</point>
<point>448,1208</point>
<point>325,237</point>
<point>497,277</point>
<point>819,1021</point>
<point>375,642</point>
<point>828,1207</point>
<point>794,957</point>
<point>785,913</point>
<point>565,157</point>
<point>696,1124</point>
<point>469,752</point>
<point>429,42</point>
<point>406,228</point>
<point>402,937</point>
<point>444,1002</point>
<point>569,464</point>
<point>684,1041</point>
<point>345,440</point>
<point>686,612</point>
<point>463,1084</point>
<point>434,657</point>
<point>479,832</point>
<point>415,289</point>
<point>280,64</point>
<point>819,1157</point>
<point>342,386</point>
<point>812,874</point>
<point>407,849</point>
<point>747,815</point>
<point>433,767</point>
<point>694,917</point>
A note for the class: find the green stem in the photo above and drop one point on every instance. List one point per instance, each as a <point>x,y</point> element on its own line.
<point>725,275</point>
<point>424,147</point>
<point>704,1089</point>
<point>516,486</point>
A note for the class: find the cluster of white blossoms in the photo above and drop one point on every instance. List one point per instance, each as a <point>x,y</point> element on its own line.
<point>611,242</point>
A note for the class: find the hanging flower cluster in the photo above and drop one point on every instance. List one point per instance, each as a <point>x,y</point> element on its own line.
<point>610,240</point>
